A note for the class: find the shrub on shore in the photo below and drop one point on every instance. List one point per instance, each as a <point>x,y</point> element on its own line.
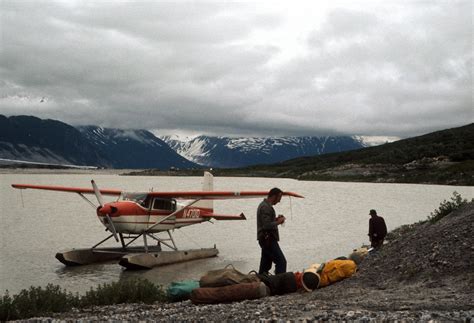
<point>38,301</point>
<point>446,207</point>
<point>131,291</point>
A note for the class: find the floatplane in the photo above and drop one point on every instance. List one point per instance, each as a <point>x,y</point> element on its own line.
<point>144,215</point>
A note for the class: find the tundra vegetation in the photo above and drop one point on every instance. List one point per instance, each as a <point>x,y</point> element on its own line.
<point>38,301</point>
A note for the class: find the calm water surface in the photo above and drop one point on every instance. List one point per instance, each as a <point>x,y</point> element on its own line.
<point>329,222</point>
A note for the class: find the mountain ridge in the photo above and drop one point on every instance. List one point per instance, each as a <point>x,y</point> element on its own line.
<point>33,140</point>
<point>441,157</point>
<point>231,152</point>
<point>29,138</point>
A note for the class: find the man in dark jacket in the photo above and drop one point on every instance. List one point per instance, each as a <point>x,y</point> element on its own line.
<point>377,229</point>
<point>267,234</point>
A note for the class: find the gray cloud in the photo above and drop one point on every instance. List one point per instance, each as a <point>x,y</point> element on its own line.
<point>402,68</point>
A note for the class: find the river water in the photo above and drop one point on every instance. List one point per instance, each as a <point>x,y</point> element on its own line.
<point>329,222</point>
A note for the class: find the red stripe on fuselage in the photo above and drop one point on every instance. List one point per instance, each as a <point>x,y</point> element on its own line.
<point>130,208</point>
<point>164,223</point>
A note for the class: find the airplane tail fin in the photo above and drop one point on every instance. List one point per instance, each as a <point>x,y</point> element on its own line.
<point>208,186</point>
<point>208,182</point>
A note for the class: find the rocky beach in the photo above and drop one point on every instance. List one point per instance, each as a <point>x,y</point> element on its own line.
<point>425,272</point>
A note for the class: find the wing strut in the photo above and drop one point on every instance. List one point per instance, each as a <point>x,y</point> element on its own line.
<point>172,214</point>
<point>87,200</point>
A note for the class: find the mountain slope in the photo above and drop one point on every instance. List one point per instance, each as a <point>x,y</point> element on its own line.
<point>133,148</point>
<point>442,157</point>
<point>32,139</point>
<point>225,152</point>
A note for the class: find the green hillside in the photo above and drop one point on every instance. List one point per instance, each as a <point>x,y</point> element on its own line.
<point>442,157</point>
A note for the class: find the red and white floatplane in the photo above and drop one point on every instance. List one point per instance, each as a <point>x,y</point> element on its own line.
<point>146,214</point>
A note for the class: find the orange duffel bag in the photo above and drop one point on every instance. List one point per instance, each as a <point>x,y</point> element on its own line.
<point>336,270</point>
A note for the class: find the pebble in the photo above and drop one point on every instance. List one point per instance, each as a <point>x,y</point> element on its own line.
<point>250,311</point>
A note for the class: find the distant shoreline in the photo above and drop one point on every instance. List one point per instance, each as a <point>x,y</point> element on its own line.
<point>215,172</point>
<point>44,170</point>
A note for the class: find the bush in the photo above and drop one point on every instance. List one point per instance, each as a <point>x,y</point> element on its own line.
<point>446,207</point>
<point>6,308</point>
<point>38,301</point>
<point>130,291</point>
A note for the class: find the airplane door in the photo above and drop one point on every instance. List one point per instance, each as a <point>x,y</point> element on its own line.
<point>160,208</point>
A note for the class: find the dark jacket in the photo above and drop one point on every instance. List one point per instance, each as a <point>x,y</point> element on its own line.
<point>377,228</point>
<point>266,223</point>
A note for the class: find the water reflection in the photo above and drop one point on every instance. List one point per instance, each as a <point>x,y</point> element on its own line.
<point>83,271</point>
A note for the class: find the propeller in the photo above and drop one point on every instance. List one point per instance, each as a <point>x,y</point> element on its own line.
<point>104,209</point>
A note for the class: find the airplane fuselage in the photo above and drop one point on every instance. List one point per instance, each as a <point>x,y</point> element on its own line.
<point>132,217</point>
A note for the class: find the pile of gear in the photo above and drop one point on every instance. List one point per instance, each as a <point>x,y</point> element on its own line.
<point>229,284</point>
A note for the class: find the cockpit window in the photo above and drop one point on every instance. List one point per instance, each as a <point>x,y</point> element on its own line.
<point>164,204</point>
<point>140,198</point>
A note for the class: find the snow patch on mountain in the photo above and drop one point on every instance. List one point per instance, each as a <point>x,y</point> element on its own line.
<point>107,136</point>
<point>241,151</point>
<point>370,141</point>
<point>134,148</point>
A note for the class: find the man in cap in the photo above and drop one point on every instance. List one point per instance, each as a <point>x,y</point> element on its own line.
<point>377,229</point>
<point>267,234</point>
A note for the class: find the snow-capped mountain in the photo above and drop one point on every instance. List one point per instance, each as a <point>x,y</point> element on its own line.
<point>36,141</point>
<point>133,148</point>
<point>226,152</point>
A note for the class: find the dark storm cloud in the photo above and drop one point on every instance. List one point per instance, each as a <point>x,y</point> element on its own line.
<point>369,68</point>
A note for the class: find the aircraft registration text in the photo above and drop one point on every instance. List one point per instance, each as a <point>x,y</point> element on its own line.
<point>191,213</point>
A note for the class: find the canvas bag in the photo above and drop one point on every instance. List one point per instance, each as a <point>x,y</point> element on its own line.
<point>226,276</point>
<point>227,294</point>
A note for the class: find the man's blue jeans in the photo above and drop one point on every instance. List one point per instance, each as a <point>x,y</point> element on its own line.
<point>271,252</point>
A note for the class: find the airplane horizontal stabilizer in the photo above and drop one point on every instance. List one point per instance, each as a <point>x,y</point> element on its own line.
<point>241,216</point>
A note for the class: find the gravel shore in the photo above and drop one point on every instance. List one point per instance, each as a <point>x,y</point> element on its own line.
<point>425,273</point>
<point>274,309</point>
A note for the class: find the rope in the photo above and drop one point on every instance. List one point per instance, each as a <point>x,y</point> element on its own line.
<point>192,240</point>
<point>291,209</point>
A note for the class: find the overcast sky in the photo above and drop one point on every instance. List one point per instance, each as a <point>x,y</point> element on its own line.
<point>248,68</point>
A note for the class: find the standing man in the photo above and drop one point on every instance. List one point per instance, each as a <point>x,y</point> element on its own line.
<point>267,233</point>
<point>377,229</point>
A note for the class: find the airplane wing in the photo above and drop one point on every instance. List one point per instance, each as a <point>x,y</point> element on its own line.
<point>66,189</point>
<point>216,195</point>
<point>185,195</point>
